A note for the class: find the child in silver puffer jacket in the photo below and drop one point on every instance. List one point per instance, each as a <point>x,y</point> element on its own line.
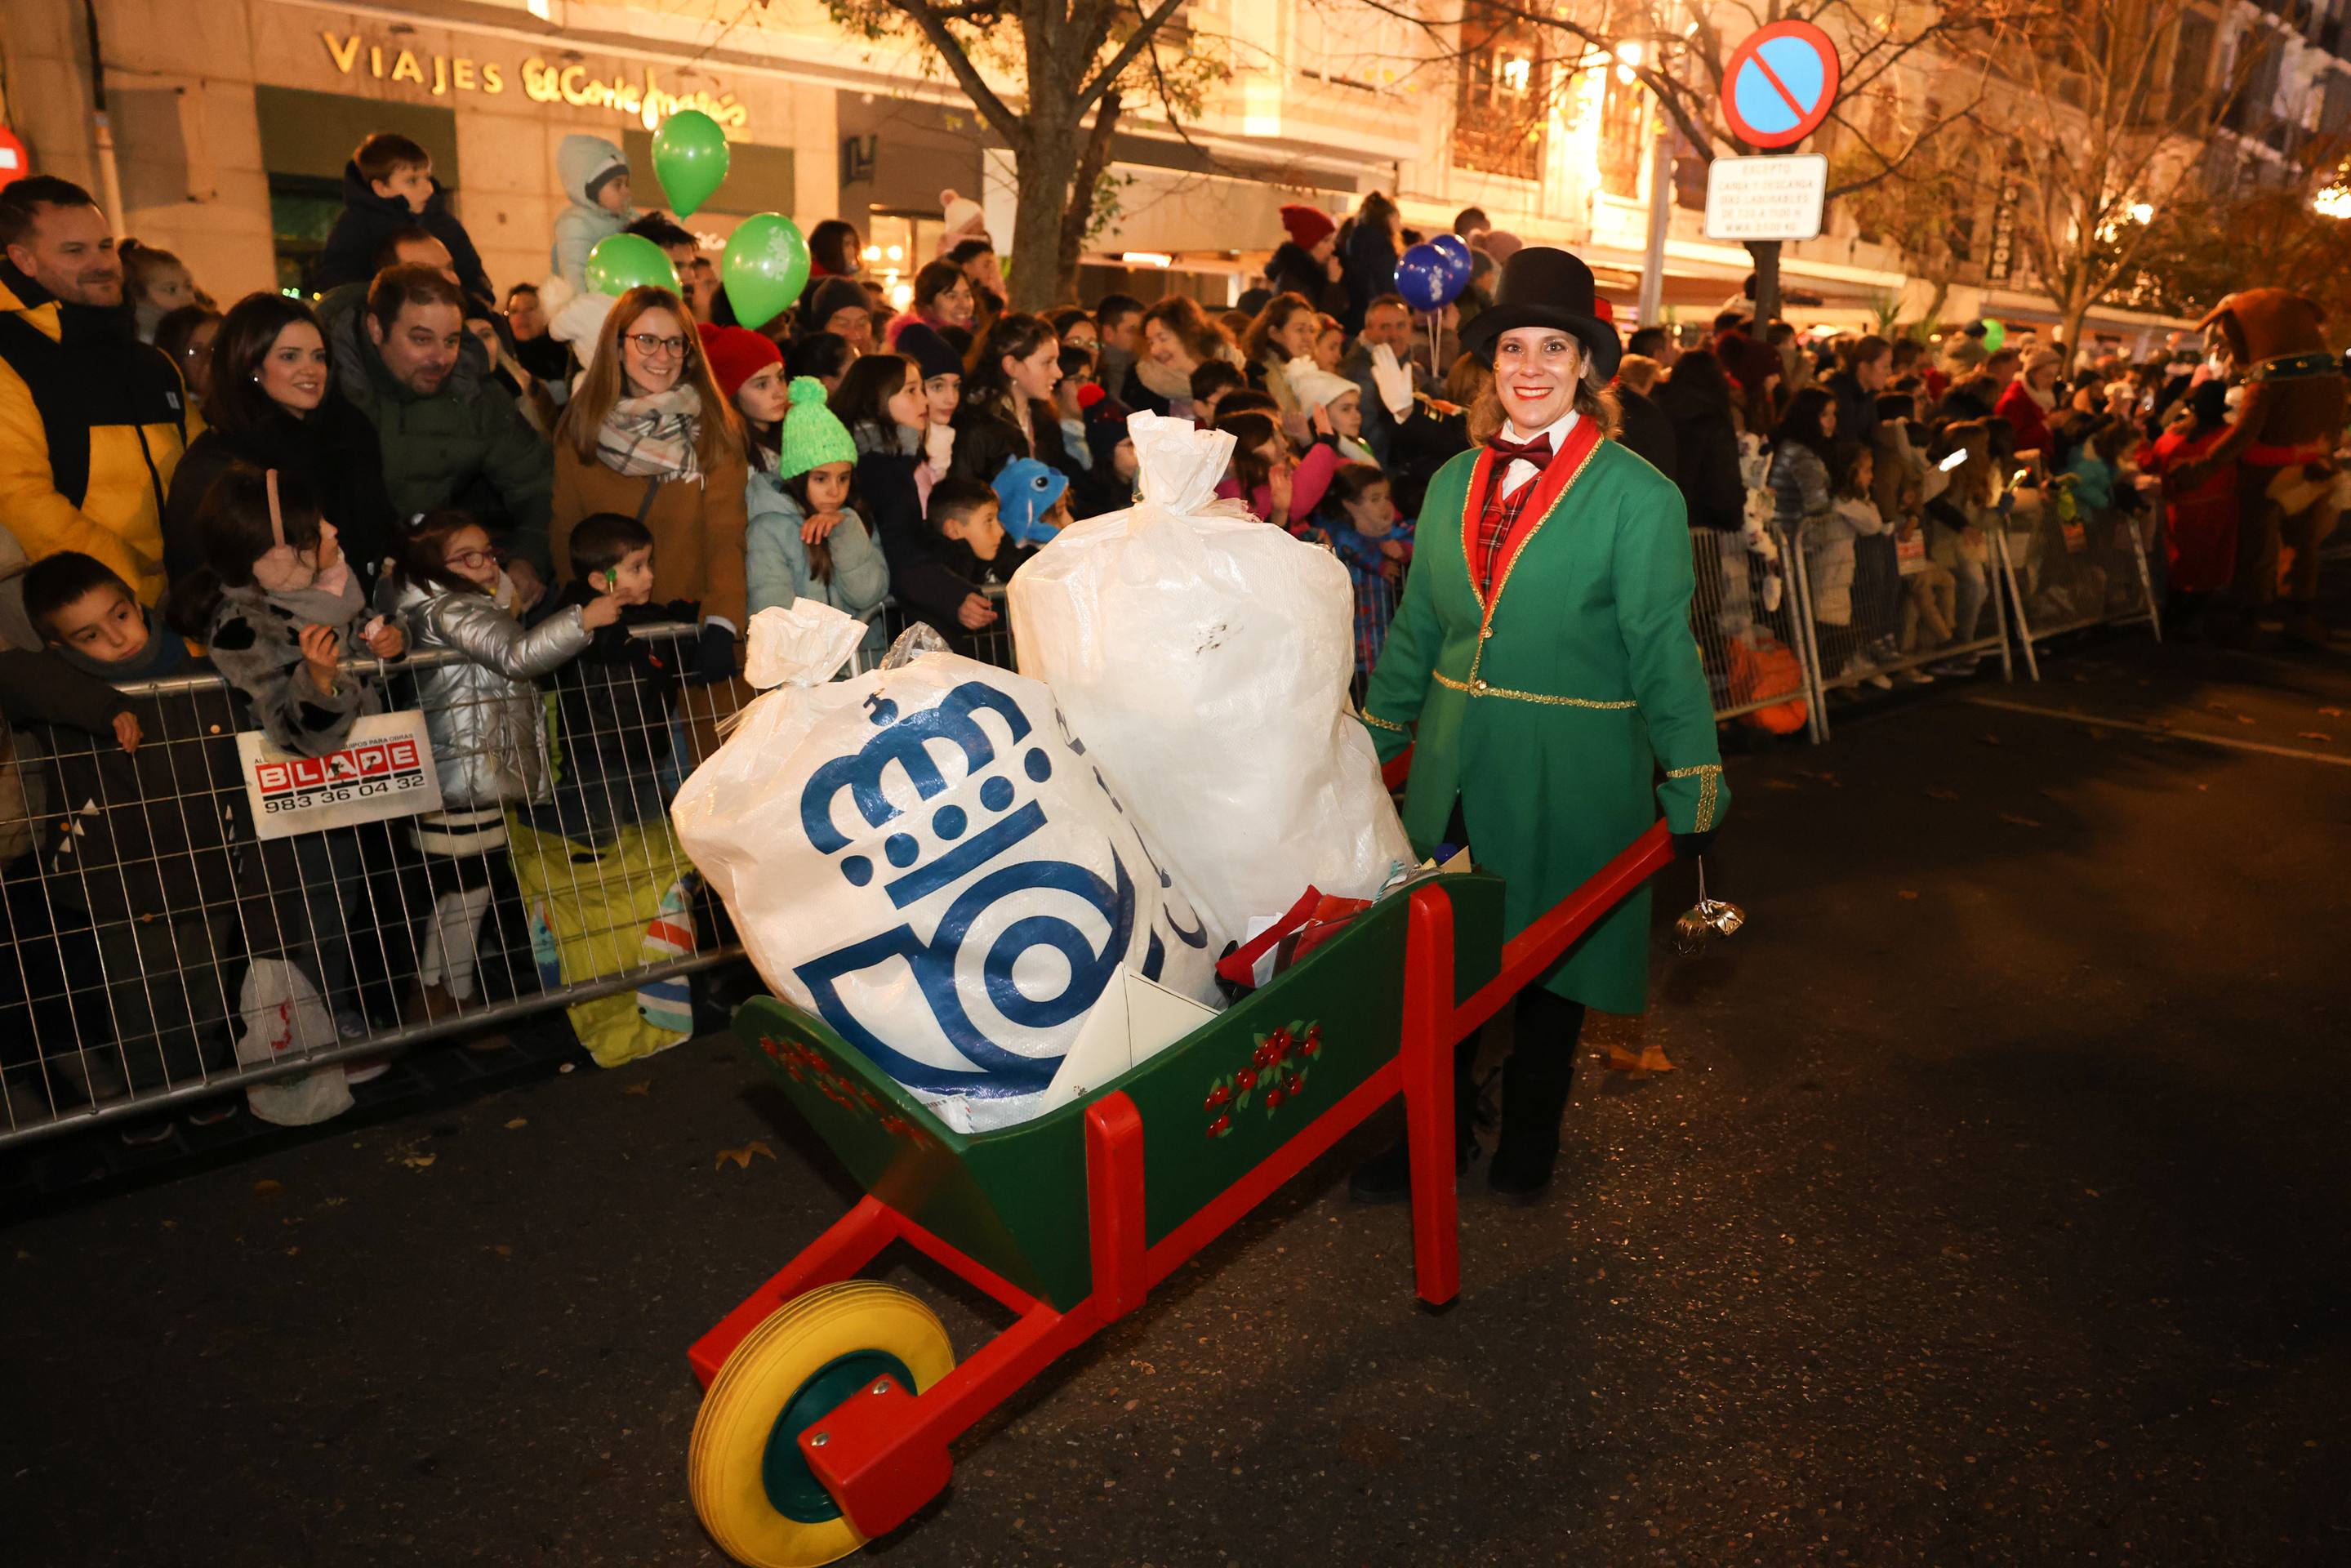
<point>485,719</point>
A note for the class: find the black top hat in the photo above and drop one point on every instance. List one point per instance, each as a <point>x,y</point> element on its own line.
<point>1543,287</point>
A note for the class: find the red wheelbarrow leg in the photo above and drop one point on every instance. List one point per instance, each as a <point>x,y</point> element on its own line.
<point>1427,1062</point>
<point>1114,1206</point>
<point>848,1246</point>
<point>884,1455</point>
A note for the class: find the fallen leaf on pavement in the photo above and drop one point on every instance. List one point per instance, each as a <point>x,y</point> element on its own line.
<point>266,1187</point>
<point>1989,739</point>
<point>641,1086</point>
<point>1942,794</point>
<point>1650,1058</point>
<point>742,1156</point>
<point>2016,821</point>
<point>517,1122</point>
<point>1907,893</point>
<point>419,1162</point>
<point>2315,734</point>
<point>2330,713</point>
<point>2244,718</point>
<point>503,1250</point>
<point>1778,784</point>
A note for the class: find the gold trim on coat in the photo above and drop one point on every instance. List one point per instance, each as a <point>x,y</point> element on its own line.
<point>1709,775</point>
<point>1480,689</point>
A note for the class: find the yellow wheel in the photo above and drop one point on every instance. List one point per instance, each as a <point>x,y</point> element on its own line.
<point>755,1494</point>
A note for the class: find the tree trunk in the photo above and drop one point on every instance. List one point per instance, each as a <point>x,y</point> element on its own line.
<point>1766,253</point>
<point>2073,313</point>
<point>1941,296</point>
<point>1044,173</point>
<point>1079,217</point>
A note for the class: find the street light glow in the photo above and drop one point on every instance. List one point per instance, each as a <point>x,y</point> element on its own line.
<point>2335,202</point>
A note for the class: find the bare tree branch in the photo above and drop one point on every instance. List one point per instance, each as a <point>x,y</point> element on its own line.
<point>1146,32</point>
<point>1000,117</point>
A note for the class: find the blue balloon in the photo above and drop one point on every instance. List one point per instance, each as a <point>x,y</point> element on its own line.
<point>1424,279</point>
<point>1455,252</point>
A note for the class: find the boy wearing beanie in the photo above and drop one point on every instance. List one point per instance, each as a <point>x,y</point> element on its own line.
<point>804,538</point>
<point>595,176</point>
<point>840,305</point>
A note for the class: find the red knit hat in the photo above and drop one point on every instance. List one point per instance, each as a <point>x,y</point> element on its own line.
<point>736,355</point>
<point>1308,226</point>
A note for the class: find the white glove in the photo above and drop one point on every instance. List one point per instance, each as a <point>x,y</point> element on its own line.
<point>1394,382</point>
<point>938,448</point>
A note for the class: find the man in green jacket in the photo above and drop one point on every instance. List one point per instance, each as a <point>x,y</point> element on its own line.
<point>1542,668</point>
<point>452,437</point>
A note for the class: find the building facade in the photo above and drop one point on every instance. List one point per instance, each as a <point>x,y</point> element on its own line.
<point>228,124</point>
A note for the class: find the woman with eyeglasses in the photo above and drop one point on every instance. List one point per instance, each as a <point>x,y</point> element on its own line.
<point>270,400</point>
<point>649,435</point>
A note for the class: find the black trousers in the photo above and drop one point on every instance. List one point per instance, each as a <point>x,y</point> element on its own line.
<point>1540,1072</point>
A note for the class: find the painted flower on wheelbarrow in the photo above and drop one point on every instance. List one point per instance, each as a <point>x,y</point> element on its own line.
<point>1275,1075</point>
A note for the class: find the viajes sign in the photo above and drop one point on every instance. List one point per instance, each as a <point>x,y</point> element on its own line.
<point>643,98</point>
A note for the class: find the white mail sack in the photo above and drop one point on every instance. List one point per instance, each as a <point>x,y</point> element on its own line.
<point>1203,658</point>
<point>924,858</point>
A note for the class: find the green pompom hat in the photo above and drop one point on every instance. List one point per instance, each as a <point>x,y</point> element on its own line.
<point>812,435</point>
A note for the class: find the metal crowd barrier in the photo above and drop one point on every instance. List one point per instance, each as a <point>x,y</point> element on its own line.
<point>1751,639</point>
<point>164,944</point>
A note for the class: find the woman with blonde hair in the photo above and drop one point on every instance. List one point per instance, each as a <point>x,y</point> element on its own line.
<point>649,435</point>
<point>1541,670</point>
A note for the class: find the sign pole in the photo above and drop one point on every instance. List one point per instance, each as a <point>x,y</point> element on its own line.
<point>1651,305</point>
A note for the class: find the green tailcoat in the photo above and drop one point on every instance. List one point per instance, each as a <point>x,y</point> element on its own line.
<point>1551,720</point>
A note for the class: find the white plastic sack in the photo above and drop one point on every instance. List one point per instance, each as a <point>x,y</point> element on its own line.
<point>278,1011</point>
<point>1203,656</point>
<point>923,858</point>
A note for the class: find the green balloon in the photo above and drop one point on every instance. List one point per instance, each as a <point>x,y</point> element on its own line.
<point>765,269</point>
<point>622,262</point>
<point>1994,336</point>
<point>690,158</point>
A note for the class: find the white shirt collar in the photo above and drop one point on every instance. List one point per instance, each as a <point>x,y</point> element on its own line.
<point>1557,429</point>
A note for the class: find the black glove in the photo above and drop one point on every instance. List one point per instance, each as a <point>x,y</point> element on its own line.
<point>714,657</point>
<point>1689,846</point>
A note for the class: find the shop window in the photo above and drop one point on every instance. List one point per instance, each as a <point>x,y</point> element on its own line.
<point>896,246</point>
<point>315,133</point>
<point>1623,133</point>
<point>1499,123</point>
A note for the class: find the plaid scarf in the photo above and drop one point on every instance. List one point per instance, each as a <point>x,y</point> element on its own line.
<point>652,437</point>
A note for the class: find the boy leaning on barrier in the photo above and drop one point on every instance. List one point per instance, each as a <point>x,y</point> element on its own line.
<point>613,701</point>
<point>144,826</point>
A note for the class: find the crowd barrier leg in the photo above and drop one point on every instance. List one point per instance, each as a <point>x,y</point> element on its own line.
<point>1808,653</point>
<point>2023,628</point>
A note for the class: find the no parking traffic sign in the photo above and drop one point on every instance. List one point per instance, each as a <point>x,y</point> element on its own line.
<point>1780,85</point>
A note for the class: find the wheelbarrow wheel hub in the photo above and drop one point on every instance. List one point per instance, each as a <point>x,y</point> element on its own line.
<point>750,1479</point>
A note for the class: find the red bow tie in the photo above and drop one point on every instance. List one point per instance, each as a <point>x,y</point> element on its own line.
<point>1537,451</point>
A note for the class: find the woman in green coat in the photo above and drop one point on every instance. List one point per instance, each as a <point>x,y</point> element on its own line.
<point>1542,668</point>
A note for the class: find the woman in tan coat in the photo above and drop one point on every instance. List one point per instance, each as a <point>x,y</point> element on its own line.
<point>649,437</point>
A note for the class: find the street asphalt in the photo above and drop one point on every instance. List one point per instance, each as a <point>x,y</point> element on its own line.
<point>1996,1213</point>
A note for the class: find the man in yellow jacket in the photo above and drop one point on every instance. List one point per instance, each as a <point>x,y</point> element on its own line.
<point>92,422</point>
